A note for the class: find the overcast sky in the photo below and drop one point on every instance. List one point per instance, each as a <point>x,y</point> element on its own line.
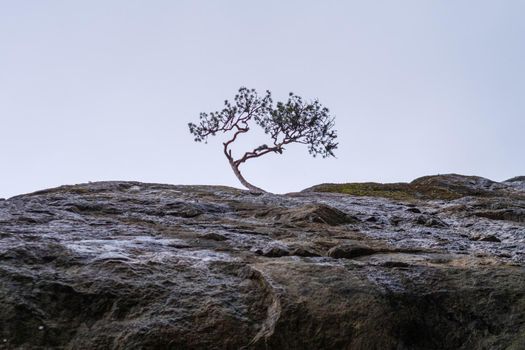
<point>103,90</point>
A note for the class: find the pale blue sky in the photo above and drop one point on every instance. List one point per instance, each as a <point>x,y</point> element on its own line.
<point>103,90</point>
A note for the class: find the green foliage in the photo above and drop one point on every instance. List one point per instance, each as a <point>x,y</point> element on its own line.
<point>247,105</point>
<point>308,123</point>
<point>292,121</point>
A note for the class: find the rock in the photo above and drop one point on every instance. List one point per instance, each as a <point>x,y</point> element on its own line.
<point>437,187</point>
<point>395,264</point>
<point>214,237</point>
<point>490,238</point>
<point>516,179</point>
<point>313,213</point>
<point>350,251</point>
<point>134,189</point>
<point>429,221</point>
<point>303,252</point>
<point>514,214</point>
<point>273,252</point>
<point>395,220</point>
<point>517,183</point>
<point>106,265</point>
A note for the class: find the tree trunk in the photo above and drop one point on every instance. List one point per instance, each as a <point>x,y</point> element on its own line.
<point>252,188</point>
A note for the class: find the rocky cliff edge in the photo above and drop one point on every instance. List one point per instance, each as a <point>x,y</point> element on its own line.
<point>439,264</point>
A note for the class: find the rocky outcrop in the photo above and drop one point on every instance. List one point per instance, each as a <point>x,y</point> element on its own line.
<point>126,265</point>
<point>444,187</point>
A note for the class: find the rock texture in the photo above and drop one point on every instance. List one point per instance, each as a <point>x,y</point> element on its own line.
<point>125,265</point>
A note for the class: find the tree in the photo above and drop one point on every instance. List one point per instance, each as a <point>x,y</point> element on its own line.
<point>293,121</point>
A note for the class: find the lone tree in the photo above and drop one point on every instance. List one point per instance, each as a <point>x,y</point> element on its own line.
<point>293,121</point>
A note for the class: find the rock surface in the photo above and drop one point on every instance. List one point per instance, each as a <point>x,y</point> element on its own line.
<point>126,265</point>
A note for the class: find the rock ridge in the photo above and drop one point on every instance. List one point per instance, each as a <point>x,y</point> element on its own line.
<point>125,265</point>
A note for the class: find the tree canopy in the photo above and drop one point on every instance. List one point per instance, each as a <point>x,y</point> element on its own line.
<point>293,121</point>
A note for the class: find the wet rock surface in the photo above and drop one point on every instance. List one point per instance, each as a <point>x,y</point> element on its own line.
<point>126,265</point>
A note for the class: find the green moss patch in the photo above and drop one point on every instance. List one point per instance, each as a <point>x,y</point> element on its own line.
<point>439,187</point>
<point>398,191</point>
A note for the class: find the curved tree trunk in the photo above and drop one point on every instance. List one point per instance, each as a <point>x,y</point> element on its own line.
<point>252,188</point>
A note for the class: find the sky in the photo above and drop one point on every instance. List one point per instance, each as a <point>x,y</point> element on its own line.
<point>104,89</point>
